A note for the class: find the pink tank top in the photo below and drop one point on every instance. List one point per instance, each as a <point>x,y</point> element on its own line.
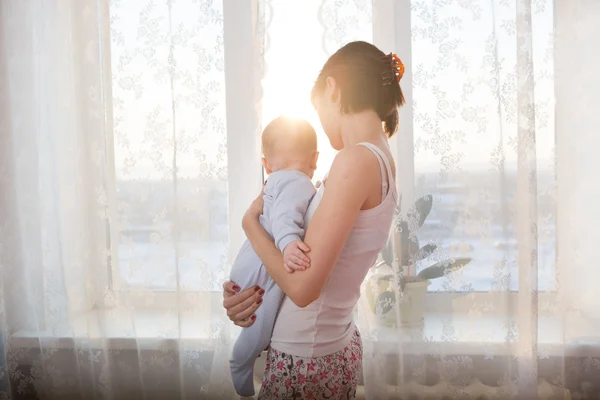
<point>327,325</point>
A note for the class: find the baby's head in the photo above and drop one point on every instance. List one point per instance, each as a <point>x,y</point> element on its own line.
<point>289,143</point>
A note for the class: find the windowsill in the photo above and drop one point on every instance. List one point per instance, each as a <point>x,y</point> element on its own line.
<point>441,333</point>
<point>454,323</point>
<point>487,324</point>
<point>487,335</point>
<point>133,329</point>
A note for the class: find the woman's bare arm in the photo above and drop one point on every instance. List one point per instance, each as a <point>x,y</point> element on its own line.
<point>346,192</point>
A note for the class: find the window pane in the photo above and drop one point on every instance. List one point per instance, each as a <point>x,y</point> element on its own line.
<point>169,144</point>
<point>298,46</point>
<point>465,136</point>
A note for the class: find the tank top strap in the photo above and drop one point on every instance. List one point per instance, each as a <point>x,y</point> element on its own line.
<point>384,166</point>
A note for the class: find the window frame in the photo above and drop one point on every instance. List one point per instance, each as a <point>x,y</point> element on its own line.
<point>242,41</point>
<point>241,30</point>
<point>107,280</point>
<point>392,29</point>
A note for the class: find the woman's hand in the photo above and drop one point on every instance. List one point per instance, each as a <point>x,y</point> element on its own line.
<point>254,212</point>
<point>241,306</point>
<point>257,205</point>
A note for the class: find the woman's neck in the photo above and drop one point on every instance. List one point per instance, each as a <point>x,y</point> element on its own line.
<point>360,127</point>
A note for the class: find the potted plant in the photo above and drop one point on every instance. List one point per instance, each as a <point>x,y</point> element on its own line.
<point>394,279</point>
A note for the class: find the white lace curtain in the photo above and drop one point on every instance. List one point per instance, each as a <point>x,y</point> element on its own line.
<point>129,151</point>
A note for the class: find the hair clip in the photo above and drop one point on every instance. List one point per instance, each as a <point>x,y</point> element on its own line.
<point>396,69</point>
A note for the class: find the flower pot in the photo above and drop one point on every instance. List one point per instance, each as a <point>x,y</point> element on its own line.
<point>378,281</point>
<point>409,307</point>
<point>412,303</point>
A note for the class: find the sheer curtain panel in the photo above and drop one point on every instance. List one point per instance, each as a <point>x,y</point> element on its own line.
<point>129,151</point>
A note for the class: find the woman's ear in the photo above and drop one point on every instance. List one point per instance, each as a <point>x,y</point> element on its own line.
<point>265,165</point>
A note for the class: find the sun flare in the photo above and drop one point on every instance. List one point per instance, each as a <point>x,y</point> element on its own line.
<point>283,96</point>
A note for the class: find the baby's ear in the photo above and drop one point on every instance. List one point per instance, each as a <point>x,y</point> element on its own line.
<point>266,166</point>
<point>315,159</point>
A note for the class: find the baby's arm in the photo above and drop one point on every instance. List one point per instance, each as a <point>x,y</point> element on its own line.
<point>292,194</point>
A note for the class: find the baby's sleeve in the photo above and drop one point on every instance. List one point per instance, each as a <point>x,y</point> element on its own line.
<point>292,195</point>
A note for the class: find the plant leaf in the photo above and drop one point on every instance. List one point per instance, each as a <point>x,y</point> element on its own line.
<point>421,210</point>
<point>409,251</point>
<point>443,268</point>
<point>385,302</point>
<point>388,253</point>
<point>408,243</point>
<point>424,252</point>
<point>402,229</point>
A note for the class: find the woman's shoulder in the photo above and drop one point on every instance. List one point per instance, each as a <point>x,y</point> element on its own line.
<point>355,160</point>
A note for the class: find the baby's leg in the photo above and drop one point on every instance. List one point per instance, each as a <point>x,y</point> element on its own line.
<point>254,340</point>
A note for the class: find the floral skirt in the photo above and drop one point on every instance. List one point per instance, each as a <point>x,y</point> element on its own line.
<point>334,376</point>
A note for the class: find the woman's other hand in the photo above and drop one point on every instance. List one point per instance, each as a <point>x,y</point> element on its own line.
<point>257,205</point>
<point>241,306</point>
<point>254,211</point>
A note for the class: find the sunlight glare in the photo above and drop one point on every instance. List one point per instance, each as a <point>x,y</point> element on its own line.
<point>292,65</point>
<point>291,98</point>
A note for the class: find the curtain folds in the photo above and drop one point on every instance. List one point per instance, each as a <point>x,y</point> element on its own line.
<point>129,147</point>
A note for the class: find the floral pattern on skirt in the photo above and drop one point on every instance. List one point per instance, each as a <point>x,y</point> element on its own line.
<point>333,377</point>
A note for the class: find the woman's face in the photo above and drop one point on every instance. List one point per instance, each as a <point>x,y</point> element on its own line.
<point>327,104</point>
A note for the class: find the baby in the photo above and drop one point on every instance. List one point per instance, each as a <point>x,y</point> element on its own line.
<point>290,157</point>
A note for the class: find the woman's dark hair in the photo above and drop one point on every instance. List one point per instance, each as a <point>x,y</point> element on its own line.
<point>365,77</point>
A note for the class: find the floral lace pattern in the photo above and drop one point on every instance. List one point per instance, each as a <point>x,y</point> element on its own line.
<point>117,187</point>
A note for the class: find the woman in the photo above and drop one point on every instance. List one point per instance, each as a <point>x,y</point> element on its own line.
<point>316,351</point>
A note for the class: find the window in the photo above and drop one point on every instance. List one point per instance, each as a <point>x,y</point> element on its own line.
<point>293,61</point>
<point>457,136</point>
<point>170,145</point>
<point>170,139</point>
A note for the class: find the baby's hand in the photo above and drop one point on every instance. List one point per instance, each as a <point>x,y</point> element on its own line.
<point>294,257</point>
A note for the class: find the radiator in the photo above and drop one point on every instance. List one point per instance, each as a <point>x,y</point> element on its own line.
<point>442,391</point>
<point>411,390</point>
<point>476,390</point>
